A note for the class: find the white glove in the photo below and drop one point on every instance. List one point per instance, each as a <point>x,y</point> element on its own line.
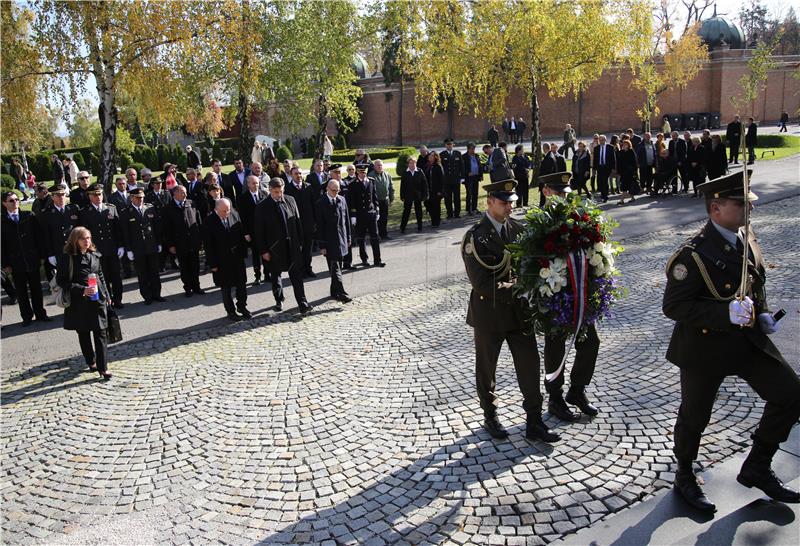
<point>130,255</point>
<point>120,252</point>
<point>159,248</point>
<point>352,222</point>
<point>768,324</point>
<point>52,260</point>
<point>741,312</point>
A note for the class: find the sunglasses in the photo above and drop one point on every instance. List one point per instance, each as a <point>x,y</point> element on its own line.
<point>83,178</point>
<point>12,200</point>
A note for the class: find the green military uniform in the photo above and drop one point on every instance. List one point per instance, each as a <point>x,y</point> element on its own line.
<point>497,315</point>
<point>703,277</point>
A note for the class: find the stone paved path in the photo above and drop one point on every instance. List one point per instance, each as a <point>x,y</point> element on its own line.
<point>358,424</point>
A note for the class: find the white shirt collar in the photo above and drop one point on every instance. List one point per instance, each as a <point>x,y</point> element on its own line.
<point>730,236</point>
<point>497,225</point>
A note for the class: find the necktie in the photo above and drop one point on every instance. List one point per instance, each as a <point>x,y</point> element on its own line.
<point>282,212</point>
<point>739,245</point>
<point>255,198</point>
<point>15,217</point>
<point>504,234</point>
<point>602,154</point>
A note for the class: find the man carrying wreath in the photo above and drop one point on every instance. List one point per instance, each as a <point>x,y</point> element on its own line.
<point>497,314</point>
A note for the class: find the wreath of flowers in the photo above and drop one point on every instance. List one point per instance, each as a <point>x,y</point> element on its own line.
<point>566,227</point>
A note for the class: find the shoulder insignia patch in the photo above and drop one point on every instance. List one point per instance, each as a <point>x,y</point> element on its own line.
<point>679,272</point>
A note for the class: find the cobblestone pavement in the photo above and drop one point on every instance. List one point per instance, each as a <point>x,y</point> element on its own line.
<point>358,424</point>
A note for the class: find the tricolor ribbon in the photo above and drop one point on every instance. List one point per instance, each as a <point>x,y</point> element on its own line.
<point>578,270</point>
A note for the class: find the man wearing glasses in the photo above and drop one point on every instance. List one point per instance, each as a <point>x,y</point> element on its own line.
<point>19,252</point>
<point>79,195</point>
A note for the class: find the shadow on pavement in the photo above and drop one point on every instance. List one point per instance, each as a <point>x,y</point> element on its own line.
<point>669,508</point>
<point>724,530</point>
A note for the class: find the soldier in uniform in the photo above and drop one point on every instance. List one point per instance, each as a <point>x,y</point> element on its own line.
<point>142,232</point>
<point>453,166</point>
<point>103,221</point>
<point>56,223</point>
<point>557,184</point>
<point>497,315</point>
<point>717,334</point>
<point>363,203</point>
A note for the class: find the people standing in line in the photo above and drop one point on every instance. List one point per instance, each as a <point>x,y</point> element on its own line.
<point>362,201</point>
<point>750,140</point>
<point>473,174</point>
<point>181,235</point>
<point>80,274</point>
<point>384,188</point>
<point>334,235</point>
<point>496,313</point>
<point>226,250</point>
<point>512,130</point>
<point>569,141</point>
<point>413,191</point>
<point>521,166</point>
<point>248,200</point>
<point>718,335</point>
<point>733,134</point>
<point>506,128</point>
<point>452,164</point>
<point>21,253</point>
<point>141,230</point>
<point>279,236</point>
<point>581,170</point>
<point>102,221</point>
<point>437,184</point>
<point>306,196</point>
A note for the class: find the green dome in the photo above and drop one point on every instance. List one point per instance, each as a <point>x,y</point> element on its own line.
<point>359,66</point>
<point>715,30</point>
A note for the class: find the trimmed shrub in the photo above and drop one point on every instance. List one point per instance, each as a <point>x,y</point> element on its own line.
<point>162,155</point>
<point>216,151</point>
<point>124,161</point>
<point>777,141</point>
<point>205,157</point>
<point>7,182</point>
<point>136,165</point>
<point>402,160</point>
<point>181,160</point>
<point>340,156</point>
<point>311,146</point>
<point>283,154</point>
<point>228,156</point>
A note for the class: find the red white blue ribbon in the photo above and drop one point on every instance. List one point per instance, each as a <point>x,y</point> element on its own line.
<point>578,271</point>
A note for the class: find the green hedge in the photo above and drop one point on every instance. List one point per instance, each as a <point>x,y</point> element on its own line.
<point>7,182</point>
<point>283,154</point>
<point>402,160</point>
<point>349,155</point>
<point>777,141</point>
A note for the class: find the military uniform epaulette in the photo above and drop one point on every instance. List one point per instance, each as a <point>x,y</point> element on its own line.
<point>467,245</point>
<point>689,244</point>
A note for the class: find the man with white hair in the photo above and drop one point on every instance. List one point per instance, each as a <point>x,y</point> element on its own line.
<point>193,159</point>
<point>130,179</point>
<point>226,250</point>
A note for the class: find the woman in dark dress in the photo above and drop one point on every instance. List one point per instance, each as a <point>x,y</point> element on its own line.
<point>581,169</point>
<point>87,311</point>
<point>626,168</point>
<point>434,202</point>
<point>717,161</point>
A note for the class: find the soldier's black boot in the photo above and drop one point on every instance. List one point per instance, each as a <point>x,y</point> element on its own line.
<point>493,426</point>
<point>687,487</point>
<point>757,472</point>
<point>577,397</point>
<point>558,407</point>
<point>537,430</point>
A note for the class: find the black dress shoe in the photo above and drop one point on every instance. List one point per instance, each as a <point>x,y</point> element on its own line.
<point>199,291</point>
<point>257,281</point>
<point>537,430</point>
<point>364,263</point>
<point>757,472</point>
<point>246,314</point>
<point>687,487</point>
<point>380,264</point>
<point>233,317</point>
<point>305,308</point>
<point>278,306</point>
<point>148,301</point>
<point>160,299</point>
<point>311,274</point>
<point>349,266</point>
<point>188,294</point>
<point>44,318</point>
<point>556,406</point>
<point>344,298</point>
<point>577,397</point>
<point>26,323</point>
<point>495,429</point>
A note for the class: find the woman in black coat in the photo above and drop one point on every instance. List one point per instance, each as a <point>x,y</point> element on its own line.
<point>85,315</point>
<point>626,168</point>
<point>718,162</point>
<point>695,156</point>
<point>521,165</point>
<point>434,202</point>
<point>413,191</point>
<point>581,169</point>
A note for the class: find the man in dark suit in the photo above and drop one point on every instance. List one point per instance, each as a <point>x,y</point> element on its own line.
<point>226,250</point>
<point>414,191</point>
<point>334,236</point>
<point>79,197</point>
<point>521,126</point>
<point>120,198</point>
<point>552,162</point>
<point>248,199</point>
<point>317,179</point>
<point>103,221</point>
<point>181,236</point>
<point>279,238</point>
<point>733,134</point>
<point>750,140</point>
<point>363,202</point>
<point>306,197</point>
<point>453,165</point>
<point>473,174</point>
<point>196,192</point>
<point>58,171</point>
<point>141,230</point>
<point>718,334</point>
<point>646,156</point>
<point>497,315</point>
<point>56,224</point>
<point>21,252</point>
<point>493,136</point>
<point>677,152</point>
<point>635,139</point>
<point>604,160</point>
<point>235,182</point>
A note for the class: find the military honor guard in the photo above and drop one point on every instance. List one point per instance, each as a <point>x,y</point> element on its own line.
<point>141,231</point>
<point>363,201</point>
<point>279,237</point>
<point>586,350</point>
<point>102,220</point>
<point>453,165</point>
<point>226,250</point>
<point>497,315</point>
<point>723,322</point>
<point>56,224</point>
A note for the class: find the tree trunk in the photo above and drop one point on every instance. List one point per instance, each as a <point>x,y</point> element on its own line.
<point>536,137</point>
<point>400,112</point>
<point>322,125</point>
<point>243,120</point>
<point>107,112</point>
